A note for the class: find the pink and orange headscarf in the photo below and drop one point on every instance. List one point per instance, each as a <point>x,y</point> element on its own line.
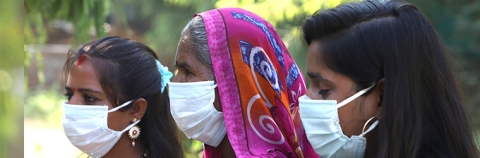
<point>258,84</point>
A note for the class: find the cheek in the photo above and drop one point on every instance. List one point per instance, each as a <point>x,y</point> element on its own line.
<point>354,115</point>
<point>346,114</point>
<point>204,73</point>
<point>118,120</point>
<point>370,109</point>
<point>350,120</point>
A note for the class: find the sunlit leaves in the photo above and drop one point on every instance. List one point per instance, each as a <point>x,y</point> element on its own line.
<point>280,10</point>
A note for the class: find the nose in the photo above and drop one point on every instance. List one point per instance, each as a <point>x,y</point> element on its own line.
<point>310,93</point>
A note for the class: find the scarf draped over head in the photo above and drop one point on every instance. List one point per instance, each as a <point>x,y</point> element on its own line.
<point>258,84</point>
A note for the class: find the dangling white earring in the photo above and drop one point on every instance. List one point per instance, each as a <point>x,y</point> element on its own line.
<point>134,132</point>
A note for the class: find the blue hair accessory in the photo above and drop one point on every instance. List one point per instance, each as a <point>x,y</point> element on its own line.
<point>166,75</point>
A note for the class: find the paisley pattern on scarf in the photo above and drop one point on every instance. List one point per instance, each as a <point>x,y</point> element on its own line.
<point>264,28</point>
<point>259,61</point>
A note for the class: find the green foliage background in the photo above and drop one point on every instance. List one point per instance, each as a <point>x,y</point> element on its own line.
<point>11,71</point>
<point>159,23</point>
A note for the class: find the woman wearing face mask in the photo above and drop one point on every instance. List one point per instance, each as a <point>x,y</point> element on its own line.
<point>237,87</point>
<point>117,102</point>
<point>397,95</point>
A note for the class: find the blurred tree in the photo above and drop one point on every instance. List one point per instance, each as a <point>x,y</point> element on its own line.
<point>11,91</point>
<point>458,23</point>
<point>83,14</point>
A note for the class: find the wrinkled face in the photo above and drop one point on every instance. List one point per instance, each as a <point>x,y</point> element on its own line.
<point>326,84</point>
<point>83,88</point>
<point>192,69</point>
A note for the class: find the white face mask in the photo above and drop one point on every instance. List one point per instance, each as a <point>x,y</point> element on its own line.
<point>191,105</point>
<point>86,127</point>
<point>322,126</point>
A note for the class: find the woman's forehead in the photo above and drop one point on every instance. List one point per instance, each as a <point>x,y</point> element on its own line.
<point>185,53</point>
<point>83,75</point>
<point>81,59</point>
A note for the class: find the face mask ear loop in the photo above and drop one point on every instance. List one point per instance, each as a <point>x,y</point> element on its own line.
<point>355,96</point>
<point>121,106</point>
<point>130,126</point>
<point>212,87</point>
<point>369,128</point>
<point>213,99</point>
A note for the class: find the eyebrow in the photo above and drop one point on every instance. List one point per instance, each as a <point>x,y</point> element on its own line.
<point>318,77</point>
<point>84,90</point>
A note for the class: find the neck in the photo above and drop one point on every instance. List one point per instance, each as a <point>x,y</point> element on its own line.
<point>124,148</point>
<point>226,148</point>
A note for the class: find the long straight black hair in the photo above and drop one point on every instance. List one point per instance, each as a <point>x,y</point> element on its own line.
<point>127,70</point>
<point>422,113</point>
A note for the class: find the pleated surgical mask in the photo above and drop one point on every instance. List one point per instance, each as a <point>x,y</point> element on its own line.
<point>322,126</point>
<point>87,129</point>
<point>191,106</point>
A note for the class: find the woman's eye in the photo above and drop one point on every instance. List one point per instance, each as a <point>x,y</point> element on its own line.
<point>323,91</point>
<point>89,98</point>
<point>69,96</point>
<point>188,75</point>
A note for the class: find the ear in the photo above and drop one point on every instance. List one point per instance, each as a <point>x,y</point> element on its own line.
<point>379,89</point>
<point>139,108</point>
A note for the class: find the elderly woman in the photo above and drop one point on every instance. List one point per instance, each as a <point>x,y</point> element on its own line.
<point>237,87</point>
